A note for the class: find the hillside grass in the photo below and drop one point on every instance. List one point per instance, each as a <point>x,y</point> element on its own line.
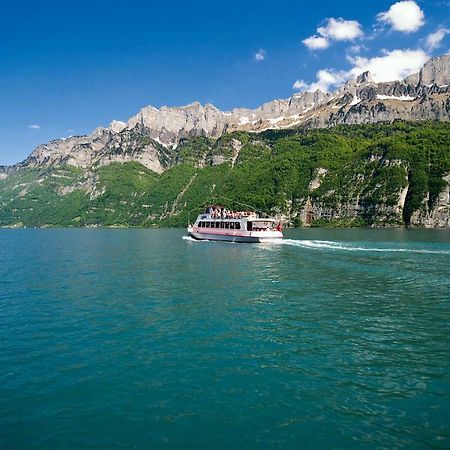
<point>272,173</point>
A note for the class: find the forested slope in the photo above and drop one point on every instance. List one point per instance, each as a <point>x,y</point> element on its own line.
<point>382,175</point>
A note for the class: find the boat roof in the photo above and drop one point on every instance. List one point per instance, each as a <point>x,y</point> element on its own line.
<point>249,218</point>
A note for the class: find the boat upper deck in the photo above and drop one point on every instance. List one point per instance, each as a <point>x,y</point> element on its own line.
<point>220,217</point>
<point>221,213</point>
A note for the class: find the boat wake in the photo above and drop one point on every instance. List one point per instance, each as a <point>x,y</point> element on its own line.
<point>339,246</point>
<point>352,247</point>
<point>190,239</point>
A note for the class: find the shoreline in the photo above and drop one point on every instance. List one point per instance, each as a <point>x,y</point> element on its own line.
<point>126,227</point>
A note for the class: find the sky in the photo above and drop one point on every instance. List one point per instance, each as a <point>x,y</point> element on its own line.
<point>67,67</point>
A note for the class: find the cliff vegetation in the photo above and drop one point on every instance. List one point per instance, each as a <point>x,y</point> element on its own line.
<point>361,175</point>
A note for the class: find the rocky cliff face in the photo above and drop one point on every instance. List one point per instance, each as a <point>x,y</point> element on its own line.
<point>382,213</point>
<point>151,137</point>
<point>438,216</point>
<point>362,196</point>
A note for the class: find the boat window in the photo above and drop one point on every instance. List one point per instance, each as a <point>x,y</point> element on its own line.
<point>217,225</point>
<point>232,225</point>
<point>222,225</point>
<point>249,226</point>
<point>262,225</point>
<point>237,226</point>
<point>227,225</point>
<point>199,224</point>
<point>207,224</point>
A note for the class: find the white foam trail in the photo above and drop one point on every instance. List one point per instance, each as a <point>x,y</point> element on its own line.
<point>189,238</point>
<point>332,245</point>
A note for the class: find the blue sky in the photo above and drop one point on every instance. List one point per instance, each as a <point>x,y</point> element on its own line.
<point>70,66</point>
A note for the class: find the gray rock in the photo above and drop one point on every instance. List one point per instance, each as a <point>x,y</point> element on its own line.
<point>365,77</point>
<point>152,134</point>
<point>436,71</point>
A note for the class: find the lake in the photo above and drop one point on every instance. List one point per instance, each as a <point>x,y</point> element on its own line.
<point>146,339</point>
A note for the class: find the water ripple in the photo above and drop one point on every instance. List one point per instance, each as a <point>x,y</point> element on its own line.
<point>142,338</point>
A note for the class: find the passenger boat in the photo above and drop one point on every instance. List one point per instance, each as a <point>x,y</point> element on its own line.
<point>217,223</point>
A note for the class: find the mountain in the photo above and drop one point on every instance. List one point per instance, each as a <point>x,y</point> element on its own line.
<point>370,153</point>
<point>151,137</point>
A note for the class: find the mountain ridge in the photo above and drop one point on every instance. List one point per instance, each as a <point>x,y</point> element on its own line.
<point>151,135</point>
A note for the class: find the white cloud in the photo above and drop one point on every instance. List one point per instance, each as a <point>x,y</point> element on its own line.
<point>300,85</point>
<point>260,55</point>
<point>326,79</point>
<point>393,65</point>
<point>434,39</point>
<point>316,42</point>
<point>405,16</point>
<point>341,30</point>
<point>34,127</point>
<point>356,49</point>
<point>334,30</point>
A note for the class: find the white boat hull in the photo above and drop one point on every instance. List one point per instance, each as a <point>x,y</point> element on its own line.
<point>234,237</point>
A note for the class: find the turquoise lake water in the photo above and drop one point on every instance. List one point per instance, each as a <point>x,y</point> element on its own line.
<point>145,339</point>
